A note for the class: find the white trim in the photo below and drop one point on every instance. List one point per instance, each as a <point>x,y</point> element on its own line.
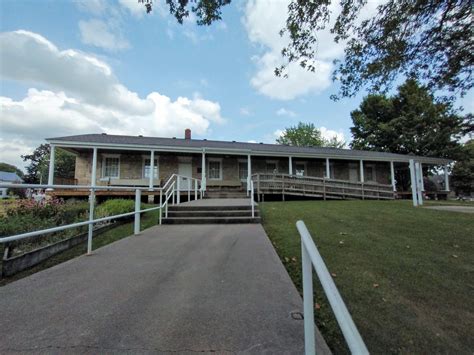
<point>220,168</point>
<point>157,165</point>
<point>104,157</point>
<point>305,163</point>
<point>231,151</point>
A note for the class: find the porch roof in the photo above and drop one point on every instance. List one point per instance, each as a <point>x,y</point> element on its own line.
<point>108,141</point>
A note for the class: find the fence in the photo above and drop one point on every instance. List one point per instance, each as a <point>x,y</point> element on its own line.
<point>310,258</point>
<point>171,191</point>
<point>320,187</point>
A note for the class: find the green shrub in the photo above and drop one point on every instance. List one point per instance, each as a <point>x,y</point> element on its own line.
<point>114,207</point>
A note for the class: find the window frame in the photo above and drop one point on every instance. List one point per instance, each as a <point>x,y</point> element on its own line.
<point>372,167</point>
<point>305,170</point>
<point>245,162</point>
<point>104,165</point>
<point>157,166</point>
<point>214,160</point>
<point>277,168</point>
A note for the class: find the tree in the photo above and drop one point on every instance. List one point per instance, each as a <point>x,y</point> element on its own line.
<point>462,178</point>
<point>38,168</point>
<point>431,41</point>
<point>307,135</point>
<point>410,122</point>
<point>11,169</point>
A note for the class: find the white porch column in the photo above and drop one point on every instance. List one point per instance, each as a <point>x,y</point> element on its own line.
<point>51,165</point>
<point>203,171</point>
<point>419,181</point>
<point>392,176</point>
<point>328,171</point>
<point>414,193</point>
<point>249,171</point>
<point>446,178</point>
<point>152,169</point>
<point>422,180</point>
<point>361,171</point>
<point>290,166</point>
<point>94,168</point>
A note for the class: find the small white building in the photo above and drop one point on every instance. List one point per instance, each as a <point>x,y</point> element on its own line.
<point>8,178</point>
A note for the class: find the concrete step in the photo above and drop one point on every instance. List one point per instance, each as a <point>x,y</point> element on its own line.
<point>209,208</point>
<point>213,213</point>
<point>210,220</point>
<point>209,195</point>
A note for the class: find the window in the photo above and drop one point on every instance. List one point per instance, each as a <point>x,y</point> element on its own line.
<point>369,172</point>
<point>300,169</point>
<point>271,167</point>
<point>243,170</point>
<point>215,170</point>
<point>146,168</point>
<point>111,167</point>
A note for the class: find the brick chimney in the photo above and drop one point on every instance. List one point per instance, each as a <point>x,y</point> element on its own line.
<point>187,133</point>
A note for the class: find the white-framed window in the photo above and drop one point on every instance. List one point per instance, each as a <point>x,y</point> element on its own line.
<point>147,166</point>
<point>214,168</point>
<point>243,170</point>
<point>300,168</point>
<point>111,166</point>
<point>369,172</point>
<point>271,166</point>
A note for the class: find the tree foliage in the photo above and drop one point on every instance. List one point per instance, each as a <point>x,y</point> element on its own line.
<point>307,135</point>
<point>462,178</point>
<point>431,41</point>
<point>38,168</point>
<point>10,169</point>
<point>410,122</point>
<point>206,11</point>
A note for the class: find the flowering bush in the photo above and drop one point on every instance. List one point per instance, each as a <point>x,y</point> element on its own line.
<point>43,209</point>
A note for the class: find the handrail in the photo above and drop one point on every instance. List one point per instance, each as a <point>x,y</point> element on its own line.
<point>172,189</point>
<point>310,258</point>
<point>252,203</point>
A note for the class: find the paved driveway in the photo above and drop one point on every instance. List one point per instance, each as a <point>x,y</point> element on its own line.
<point>185,289</point>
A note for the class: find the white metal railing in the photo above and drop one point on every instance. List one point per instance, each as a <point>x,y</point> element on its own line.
<point>252,203</point>
<point>310,257</point>
<point>170,190</point>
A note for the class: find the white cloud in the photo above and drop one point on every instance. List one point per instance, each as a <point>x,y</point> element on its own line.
<point>329,134</point>
<point>244,111</point>
<point>96,7</point>
<point>67,109</point>
<point>284,112</point>
<point>100,34</point>
<point>263,20</point>
<point>134,7</point>
<point>31,58</point>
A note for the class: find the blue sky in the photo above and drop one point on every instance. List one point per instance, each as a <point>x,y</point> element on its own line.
<point>73,67</point>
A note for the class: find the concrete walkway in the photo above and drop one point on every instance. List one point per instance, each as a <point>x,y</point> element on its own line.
<point>463,209</point>
<point>184,289</point>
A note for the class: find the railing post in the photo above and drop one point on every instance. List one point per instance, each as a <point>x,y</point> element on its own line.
<point>178,190</point>
<point>251,199</point>
<point>195,190</point>
<point>136,229</point>
<point>161,205</point>
<point>189,181</point>
<point>91,218</point>
<point>308,303</point>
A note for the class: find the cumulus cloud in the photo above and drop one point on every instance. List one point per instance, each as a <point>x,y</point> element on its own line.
<point>101,34</point>
<point>134,7</point>
<point>284,112</point>
<point>330,134</point>
<point>263,20</point>
<point>31,58</point>
<point>68,108</point>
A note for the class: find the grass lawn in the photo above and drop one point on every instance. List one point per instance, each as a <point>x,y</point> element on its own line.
<point>148,220</point>
<point>405,273</point>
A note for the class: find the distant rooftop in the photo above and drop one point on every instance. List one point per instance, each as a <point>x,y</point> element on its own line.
<point>10,177</point>
<point>119,140</point>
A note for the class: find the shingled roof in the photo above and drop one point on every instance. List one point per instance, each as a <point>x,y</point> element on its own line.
<point>246,148</point>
